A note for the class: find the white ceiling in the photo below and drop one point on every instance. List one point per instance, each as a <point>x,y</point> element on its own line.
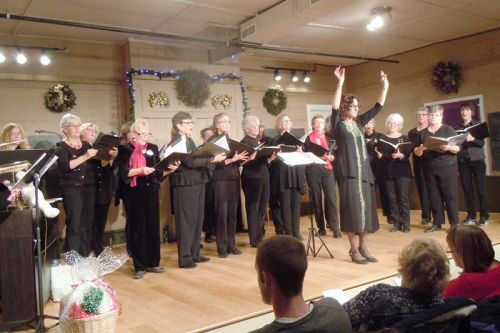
<point>328,26</point>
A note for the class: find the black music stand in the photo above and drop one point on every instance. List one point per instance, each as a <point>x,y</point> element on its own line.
<point>313,233</point>
<point>34,174</point>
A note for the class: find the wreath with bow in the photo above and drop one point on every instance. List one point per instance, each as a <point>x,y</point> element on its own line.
<point>446,77</point>
<point>60,98</point>
<point>274,101</point>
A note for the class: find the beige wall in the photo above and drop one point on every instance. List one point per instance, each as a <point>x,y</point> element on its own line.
<point>410,80</point>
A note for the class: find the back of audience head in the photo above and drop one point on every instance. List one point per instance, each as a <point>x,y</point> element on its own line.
<point>424,267</point>
<point>471,248</point>
<point>283,259</point>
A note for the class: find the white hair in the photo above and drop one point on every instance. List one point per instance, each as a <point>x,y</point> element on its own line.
<point>395,117</point>
<point>249,121</point>
<point>69,119</point>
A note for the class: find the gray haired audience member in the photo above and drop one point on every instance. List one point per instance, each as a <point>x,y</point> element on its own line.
<point>281,264</point>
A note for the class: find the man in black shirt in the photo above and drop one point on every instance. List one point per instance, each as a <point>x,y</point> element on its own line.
<point>281,264</point>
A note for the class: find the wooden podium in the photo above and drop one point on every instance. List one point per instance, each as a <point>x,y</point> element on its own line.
<point>17,275</point>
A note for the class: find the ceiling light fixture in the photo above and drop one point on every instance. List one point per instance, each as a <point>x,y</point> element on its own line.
<point>381,16</point>
<point>2,58</point>
<point>295,77</point>
<point>21,58</point>
<point>307,78</point>
<point>44,59</point>
<point>277,76</point>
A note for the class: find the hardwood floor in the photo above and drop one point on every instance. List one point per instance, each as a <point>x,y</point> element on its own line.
<point>225,290</point>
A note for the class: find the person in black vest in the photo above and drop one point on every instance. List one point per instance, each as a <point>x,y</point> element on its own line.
<point>226,182</point>
<point>320,179</point>
<point>188,184</point>
<point>440,168</point>
<point>77,185</point>
<point>255,183</point>
<point>136,163</point>
<point>104,178</point>
<point>290,183</point>
<point>418,169</point>
<point>396,175</point>
<point>471,166</point>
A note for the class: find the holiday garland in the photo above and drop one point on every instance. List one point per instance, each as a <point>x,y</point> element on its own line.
<point>176,75</point>
<point>60,98</point>
<point>274,101</point>
<point>446,77</point>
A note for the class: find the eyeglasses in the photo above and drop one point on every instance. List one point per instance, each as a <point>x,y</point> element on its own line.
<point>187,122</point>
<point>449,251</point>
<point>224,121</point>
<point>143,134</point>
<point>354,106</point>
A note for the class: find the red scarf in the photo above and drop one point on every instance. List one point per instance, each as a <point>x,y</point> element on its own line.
<point>137,160</point>
<point>319,138</point>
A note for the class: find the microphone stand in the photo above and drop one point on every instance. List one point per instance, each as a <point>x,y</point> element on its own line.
<point>313,233</point>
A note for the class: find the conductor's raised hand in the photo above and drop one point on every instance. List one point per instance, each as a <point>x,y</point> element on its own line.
<point>340,74</point>
<point>384,80</point>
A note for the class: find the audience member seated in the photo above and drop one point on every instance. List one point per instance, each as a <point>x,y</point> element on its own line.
<point>424,268</point>
<point>281,264</point>
<point>472,251</point>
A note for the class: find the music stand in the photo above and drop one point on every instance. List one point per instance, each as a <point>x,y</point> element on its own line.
<point>313,233</point>
<point>34,174</point>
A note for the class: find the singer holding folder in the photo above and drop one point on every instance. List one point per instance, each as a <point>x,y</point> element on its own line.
<point>320,179</point>
<point>255,182</point>
<point>188,184</point>
<point>471,166</point>
<point>226,182</point>
<point>358,211</point>
<point>77,185</point>
<point>440,169</point>
<point>136,161</point>
<point>396,171</point>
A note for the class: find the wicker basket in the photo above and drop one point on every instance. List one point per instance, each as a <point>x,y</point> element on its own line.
<point>103,323</point>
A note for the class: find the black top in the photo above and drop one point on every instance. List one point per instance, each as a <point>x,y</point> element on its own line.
<point>258,168</point>
<point>82,175</point>
<point>193,170</point>
<point>144,183</point>
<point>223,171</point>
<point>383,305</point>
<point>395,168</point>
<point>351,155</point>
<point>371,142</point>
<point>104,181</point>
<point>287,177</point>
<point>415,136</point>
<point>470,151</point>
<point>435,159</point>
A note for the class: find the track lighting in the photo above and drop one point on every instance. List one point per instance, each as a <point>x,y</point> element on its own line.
<point>2,58</point>
<point>45,60</point>
<point>277,75</point>
<point>295,77</point>
<point>21,58</point>
<point>307,79</point>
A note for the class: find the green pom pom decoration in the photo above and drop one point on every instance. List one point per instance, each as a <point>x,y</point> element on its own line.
<point>274,101</point>
<point>193,87</point>
<point>92,300</point>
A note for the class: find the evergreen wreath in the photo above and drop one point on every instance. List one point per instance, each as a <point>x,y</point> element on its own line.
<point>60,98</point>
<point>274,101</point>
<point>193,87</point>
<point>446,77</point>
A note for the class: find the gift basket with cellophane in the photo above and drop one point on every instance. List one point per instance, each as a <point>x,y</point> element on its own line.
<point>92,306</point>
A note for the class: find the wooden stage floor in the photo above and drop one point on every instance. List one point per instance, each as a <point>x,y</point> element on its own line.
<point>225,290</point>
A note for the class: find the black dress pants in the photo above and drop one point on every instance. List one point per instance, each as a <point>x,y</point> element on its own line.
<point>474,171</point>
<point>398,192</point>
<point>290,211</point>
<point>143,221</point>
<point>256,199</point>
<point>78,205</point>
<point>189,207</point>
<point>321,180</point>
<point>442,186</point>
<point>423,192</point>
<point>100,219</point>
<point>226,194</point>
<point>209,218</point>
